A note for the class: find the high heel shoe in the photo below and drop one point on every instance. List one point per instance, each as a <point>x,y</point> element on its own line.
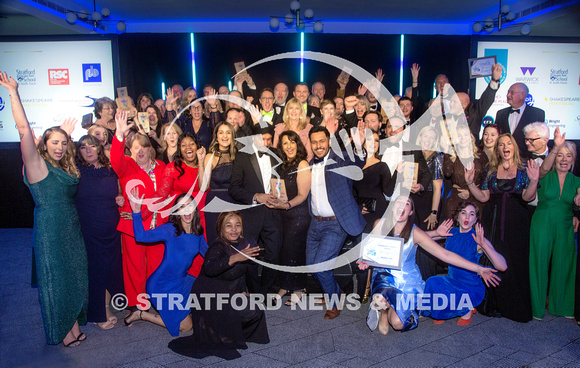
<point>129,324</point>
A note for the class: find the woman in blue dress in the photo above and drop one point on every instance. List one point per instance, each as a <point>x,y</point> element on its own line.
<point>396,291</point>
<point>462,285</point>
<point>183,238</point>
<point>97,203</point>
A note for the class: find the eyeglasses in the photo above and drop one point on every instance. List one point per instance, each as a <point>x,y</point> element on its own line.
<point>107,108</point>
<point>267,98</point>
<point>531,140</point>
<point>196,108</point>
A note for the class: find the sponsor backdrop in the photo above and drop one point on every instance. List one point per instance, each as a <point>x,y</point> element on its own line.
<point>57,80</point>
<point>550,70</point>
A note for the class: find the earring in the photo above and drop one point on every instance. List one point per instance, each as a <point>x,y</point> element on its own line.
<point>301,118</point>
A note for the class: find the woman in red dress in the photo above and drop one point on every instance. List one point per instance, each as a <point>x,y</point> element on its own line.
<point>139,261</point>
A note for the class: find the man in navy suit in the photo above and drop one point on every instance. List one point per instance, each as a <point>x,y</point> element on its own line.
<point>513,119</point>
<point>334,211</point>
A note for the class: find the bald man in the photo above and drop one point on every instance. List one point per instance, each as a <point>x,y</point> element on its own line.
<point>514,118</point>
<point>475,111</point>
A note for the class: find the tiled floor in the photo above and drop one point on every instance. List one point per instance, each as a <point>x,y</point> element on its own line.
<point>298,338</point>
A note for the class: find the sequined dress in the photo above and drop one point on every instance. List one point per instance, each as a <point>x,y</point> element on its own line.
<point>59,252</point>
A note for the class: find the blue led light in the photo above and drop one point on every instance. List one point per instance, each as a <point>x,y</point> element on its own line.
<point>193,62</point>
<point>230,85</point>
<point>301,57</point>
<point>401,65</point>
<point>163,90</point>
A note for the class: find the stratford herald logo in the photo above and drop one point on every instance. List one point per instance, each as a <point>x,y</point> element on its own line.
<point>559,76</point>
<point>528,78</point>
<point>58,77</point>
<point>26,77</point>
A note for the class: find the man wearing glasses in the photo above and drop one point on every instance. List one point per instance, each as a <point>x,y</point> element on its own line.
<point>513,119</point>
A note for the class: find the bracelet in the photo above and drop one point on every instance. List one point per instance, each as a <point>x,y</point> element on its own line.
<point>289,206</point>
<point>469,184</point>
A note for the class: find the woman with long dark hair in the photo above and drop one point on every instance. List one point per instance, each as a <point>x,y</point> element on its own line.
<point>59,250</point>
<point>294,213</point>
<point>97,203</point>
<point>183,239</point>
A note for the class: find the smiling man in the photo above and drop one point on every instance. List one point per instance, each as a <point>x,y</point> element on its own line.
<point>335,213</point>
<point>513,119</point>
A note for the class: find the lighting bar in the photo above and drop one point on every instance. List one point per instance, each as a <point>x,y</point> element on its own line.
<point>301,57</point>
<point>193,62</point>
<point>401,65</point>
<point>163,90</point>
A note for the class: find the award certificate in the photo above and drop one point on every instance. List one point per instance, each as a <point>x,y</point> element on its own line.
<point>382,251</point>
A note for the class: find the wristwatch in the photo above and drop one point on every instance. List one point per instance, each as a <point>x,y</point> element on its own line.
<point>434,212</point>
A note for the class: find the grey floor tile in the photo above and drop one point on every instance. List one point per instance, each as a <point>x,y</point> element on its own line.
<point>313,363</point>
<point>507,363</point>
<point>336,357</point>
<point>358,362</point>
<point>549,362</point>
<point>477,360</point>
<point>301,349</point>
<point>251,360</point>
<point>462,344</point>
<point>499,351</point>
<point>418,358</point>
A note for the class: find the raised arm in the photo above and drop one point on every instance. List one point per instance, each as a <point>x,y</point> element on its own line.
<point>533,171</point>
<point>36,169</point>
<point>559,140</point>
<point>496,259</point>
<point>486,273</point>
<point>479,194</point>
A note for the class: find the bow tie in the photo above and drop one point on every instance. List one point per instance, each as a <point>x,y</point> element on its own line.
<point>317,160</point>
<point>517,111</point>
<point>260,154</point>
<point>374,107</point>
<point>268,114</point>
<point>543,157</point>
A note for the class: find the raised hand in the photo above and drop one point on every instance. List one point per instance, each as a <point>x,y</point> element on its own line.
<point>489,277</point>
<point>533,170</point>
<point>170,98</point>
<point>415,72</point>
<point>496,70</point>
<point>559,139</point>
<point>350,102</point>
<point>210,98</point>
<point>135,205</point>
<point>200,155</point>
<point>379,75</point>
<point>121,123</point>
<point>9,83</point>
<point>478,236</point>
<point>68,126</point>
<point>443,229</point>
<point>342,83</point>
<point>362,89</point>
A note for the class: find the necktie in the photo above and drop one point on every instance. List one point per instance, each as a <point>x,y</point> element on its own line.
<point>543,157</point>
<point>517,111</point>
<point>317,160</point>
<point>268,114</point>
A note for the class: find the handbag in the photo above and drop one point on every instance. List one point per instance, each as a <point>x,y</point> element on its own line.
<point>369,203</point>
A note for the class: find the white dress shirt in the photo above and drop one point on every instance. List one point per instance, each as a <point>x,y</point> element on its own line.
<point>318,194</point>
<point>514,118</point>
<point>265,169</point>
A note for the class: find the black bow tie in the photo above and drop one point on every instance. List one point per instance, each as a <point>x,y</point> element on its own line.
<point>260,154</point>
<point>543,157</point>
<point>515,110</point>
<point>317,160</point>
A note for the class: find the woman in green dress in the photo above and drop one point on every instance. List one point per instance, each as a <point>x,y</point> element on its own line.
<point>59,250</point>
<point>552,233</point>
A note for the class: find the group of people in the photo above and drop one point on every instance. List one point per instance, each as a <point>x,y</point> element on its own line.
<point>289,180</point>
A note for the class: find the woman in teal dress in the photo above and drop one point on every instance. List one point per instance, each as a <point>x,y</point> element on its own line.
<point>552,233</point>
<point>396,291</point>
<point>59,250</point>
<point>183,239</point>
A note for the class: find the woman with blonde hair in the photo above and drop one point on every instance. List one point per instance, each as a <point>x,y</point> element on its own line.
<point>295,119</point>
<point>169,135</point>
<point>60,258</point>
<point>506,189</point>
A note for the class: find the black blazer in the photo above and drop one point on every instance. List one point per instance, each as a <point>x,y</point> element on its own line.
<point>477,109</point>
<point>530,115</point>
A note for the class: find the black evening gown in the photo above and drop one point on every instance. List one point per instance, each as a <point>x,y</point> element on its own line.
<point>376,183</point>
<point>219,184</point>
<point>506,223</point>
<point>220,331</point>
<point>295,224</point>
<point>99,217</point>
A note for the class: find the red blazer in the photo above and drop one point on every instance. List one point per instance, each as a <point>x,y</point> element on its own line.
<point>127,169</point>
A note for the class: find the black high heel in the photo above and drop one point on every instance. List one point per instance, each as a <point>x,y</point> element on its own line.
<point>129,324</point>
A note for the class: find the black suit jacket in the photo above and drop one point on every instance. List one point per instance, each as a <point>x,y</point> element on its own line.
<point>530,115</point>
<point>476,110</point>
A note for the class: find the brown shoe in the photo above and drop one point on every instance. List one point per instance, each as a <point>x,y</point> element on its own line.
<point>331,313</point>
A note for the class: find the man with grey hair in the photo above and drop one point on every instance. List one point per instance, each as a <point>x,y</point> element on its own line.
<point>514,118</point>
<point>536,138</point>
<point>319,90</point>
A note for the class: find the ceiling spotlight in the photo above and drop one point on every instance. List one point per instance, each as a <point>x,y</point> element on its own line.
<point>289,18</point>
<point>488,22</point>
<point>96,16</point>
<point>106,12</point>
<point>274,23</point>
<point>308,13</point>
<point>510,16</point>
<point>83,14</point>
<point>526,29</point>
<point>71,17</point>
<point>318,26</point>
<point>505,9</point>
<point>295,5</point>
<point>477,27</point>
<point>121,27</point>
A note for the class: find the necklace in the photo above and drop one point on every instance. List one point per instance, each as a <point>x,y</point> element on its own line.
<point>509,165</point>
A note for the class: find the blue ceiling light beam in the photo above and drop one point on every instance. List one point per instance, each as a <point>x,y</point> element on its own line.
<point>301,57</point>
<point>401,65</point>
<point>163,90</point>
<point>193,62</point>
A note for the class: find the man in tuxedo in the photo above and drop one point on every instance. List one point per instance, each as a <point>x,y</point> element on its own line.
<point>536,138</point>
<point>280,95</point>
<point>268,112</point>
<point>319,90</point>
<point>301,93</point>
<point>335,213</point>
<point>374,121</point>
<point>406,105</point>
<point>250,185</point>
<point>513,119</point>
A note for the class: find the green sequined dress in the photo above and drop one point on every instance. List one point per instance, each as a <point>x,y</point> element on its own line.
<point>59,254</point>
